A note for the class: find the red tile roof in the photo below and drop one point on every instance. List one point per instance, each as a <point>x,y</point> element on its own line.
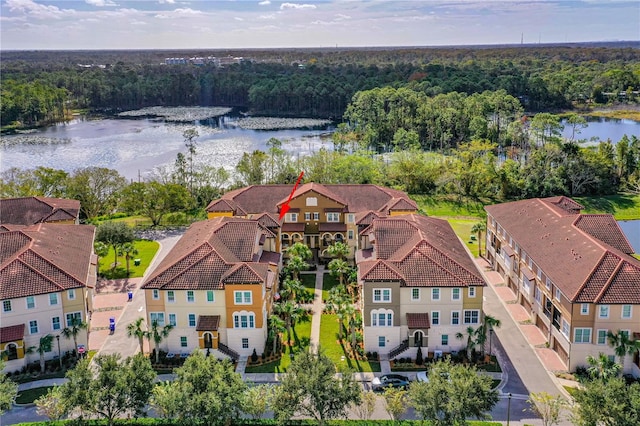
<point>293,227</point>
<point>212,253</point>
<point>32,210</point>
<point>418,320</point>
<point>332,227</point>
<point>605,228</point>
<point>12,333</point>
<point>208,323</point>
<point>45,258</point>
<point>418,251</point>
<point>572,252</point>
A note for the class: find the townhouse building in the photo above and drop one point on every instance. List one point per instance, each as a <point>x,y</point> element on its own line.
<point>32,210</point>
<point>419,286</point>
<point>319,215</point>
<point>47,276</point>
<point>573,272</point>
<point>215,287</point>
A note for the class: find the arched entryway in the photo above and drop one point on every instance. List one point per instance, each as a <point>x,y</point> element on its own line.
<point>208,340</point>
<point>11,349</point>
<point>418,338</point>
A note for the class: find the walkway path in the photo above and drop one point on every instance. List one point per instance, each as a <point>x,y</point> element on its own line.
<point>317,309</point>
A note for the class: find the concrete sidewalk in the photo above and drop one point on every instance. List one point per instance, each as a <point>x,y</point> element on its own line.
<point>317,309</point>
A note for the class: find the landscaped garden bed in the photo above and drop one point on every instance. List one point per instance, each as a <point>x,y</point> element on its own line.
<point>337,351</point>
<point>146,251</point>
<point>280,362</point>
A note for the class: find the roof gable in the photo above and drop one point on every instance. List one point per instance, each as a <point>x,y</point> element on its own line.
<point>31,210</point>
<point>244,273</point>
<point>605,228</point>
<point>382,271</point>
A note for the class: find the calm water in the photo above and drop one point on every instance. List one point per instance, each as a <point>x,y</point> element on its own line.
<point>605,128</point>
<point>132,146</point>
<point>631,229</point>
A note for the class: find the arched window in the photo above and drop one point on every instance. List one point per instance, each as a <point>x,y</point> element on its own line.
<point>244,319</point>
<point>296,237</point>
<point>382,318</point>
<point>285,240</point>
<point>339,237</point>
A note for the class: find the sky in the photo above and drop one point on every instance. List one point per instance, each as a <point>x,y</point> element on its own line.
<point>220,24</point>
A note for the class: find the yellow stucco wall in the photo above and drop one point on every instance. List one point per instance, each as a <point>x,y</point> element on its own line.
<point>255,306</point>
<point>211,215</point>
<point>19,348</point>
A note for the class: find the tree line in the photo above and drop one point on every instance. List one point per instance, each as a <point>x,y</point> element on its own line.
<point>310,83</point>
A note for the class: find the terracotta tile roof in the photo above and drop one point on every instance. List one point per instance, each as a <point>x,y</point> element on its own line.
<point>270,257</point>
<point>605,228</point>
<point>293,227</point>
<point>267,220</point>
<point>268,198</point>
<point>418,320</point>
<point>221,205</point>
<point>45,258</point>
<point>12,333</point>
<point>32,210</point>
<point>208,323</point>
<point>419,251</point>
<point>580,264</point>
<point>332,227</point>
<point>367,217</point>
<point>211,253</point>
<point>401,204</point>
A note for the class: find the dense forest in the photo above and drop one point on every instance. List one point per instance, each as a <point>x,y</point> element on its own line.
<point>41,87</point>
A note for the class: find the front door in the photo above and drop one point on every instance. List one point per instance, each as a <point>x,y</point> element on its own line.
<point>417,338</point>
<point>208,341</point>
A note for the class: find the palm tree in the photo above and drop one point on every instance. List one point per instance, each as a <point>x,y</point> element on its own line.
<point>488,324</point>
<point>339,268</point>
<point>290,287</point>
<point>44,345</point>
<point>338,250</point>
<point>158,334</point>
<point>479,228</point>
<point>276,328</point>
<point>291,313</point>
<point>602,367</point>
<point>471,342</point>
<point>336,303</point>
<point>72,331</point>
<point>295,265</point>
<point>135,330</point>
<point>622,344</point>
<point>301,250</point>
<point>128,250</point>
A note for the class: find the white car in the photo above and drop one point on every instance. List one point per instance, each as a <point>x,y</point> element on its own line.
<point>422,376</point>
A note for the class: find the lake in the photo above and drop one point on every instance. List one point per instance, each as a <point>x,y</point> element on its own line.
<point>631,229</point>
<point>140,146</point>
<point>605,128</point>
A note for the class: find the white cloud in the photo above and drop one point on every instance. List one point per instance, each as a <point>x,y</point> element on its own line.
<point>100,3</point>
<point>187,11</point>
<point>136,22</point>
<point>167,1</point>
<point>298,6</point>
<point>36,10</point>
<point>237,18</point>
<point>271,16</point>
<point>161,16</point>
<point>264,3</point>
<point>342,17</point>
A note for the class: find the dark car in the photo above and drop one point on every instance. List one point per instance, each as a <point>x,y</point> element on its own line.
<point>389,381</point>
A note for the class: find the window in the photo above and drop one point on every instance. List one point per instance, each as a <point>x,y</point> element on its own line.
<point>539,274</point>
<point>244,320</point>
<point>455,318</point>
<point>157,317</point>
<point>192,320</point>
<point>455,294</point>
<point>558,294</point>
<point>53,299</point>
<point>538,295</point>
<point>70,318</point>
<point>312,201</point>
<point>333,217</point>
<point>603,311</point>
<point>565,328</point>
<point>351,218</point>
<point>156,294</point>
<point>6,305</point>
<point>242,297</point>
<point>602,337</point>
<point>435,294</point>
<point>625,333</point>
<point>292,217</point>
<point>173,320</point>
<point>582,335</point>
<point>472,316</point>
<point>245,343</point>
<point>171,296</point>
<point>444,341</point>
<point>183,341</point>
<point>55,323</point>
<point>382,318</point>
<point>548,284</point>
<point>415,294</point>
<point>307,216</point>
<point>584,309</point>
<point>350,234</point>
<point>190,296</point>
<point>210,296</point>
<point>472,292</point>
<point>382,295</point>
<point>382,341</point>
<point>626,311</point>
<point>71,294</point>
<point>316,216</point>
<point>435,317</point>
<point>33,327</point>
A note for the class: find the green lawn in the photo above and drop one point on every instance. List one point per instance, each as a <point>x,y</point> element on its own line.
<point>30,395</point>
<point>309,281</point>
<point>146,250</point>
<point>329,345</point>
<point>328,282</point>
<point>462,228</point>
<point>448,206</point>
<point>301,335</point>
<point>621,206</point>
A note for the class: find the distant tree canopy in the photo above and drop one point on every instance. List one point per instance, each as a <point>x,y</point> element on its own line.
<point>38,87</point>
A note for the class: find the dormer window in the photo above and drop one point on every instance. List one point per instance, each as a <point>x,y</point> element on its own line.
<point>333,217</point>
<point>312,201</point>
<point>292,217</point>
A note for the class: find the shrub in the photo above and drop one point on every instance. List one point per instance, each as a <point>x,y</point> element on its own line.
<point>254,356</point>
<point>419,359</point>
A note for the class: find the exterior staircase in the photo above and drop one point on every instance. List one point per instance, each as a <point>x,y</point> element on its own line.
<point>399,349</point>
<point>235,356</point>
